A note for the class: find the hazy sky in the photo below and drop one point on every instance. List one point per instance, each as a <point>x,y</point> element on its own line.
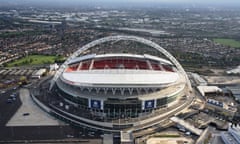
<point>235,3</point>
<point>112,1</point>
<point>166,1</point>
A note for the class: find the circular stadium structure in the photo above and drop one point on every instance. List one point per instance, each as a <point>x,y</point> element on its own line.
<point>116,91</point>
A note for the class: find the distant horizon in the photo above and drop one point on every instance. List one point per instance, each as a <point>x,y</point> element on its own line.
<point>121,3</point>
<point>137,1</point>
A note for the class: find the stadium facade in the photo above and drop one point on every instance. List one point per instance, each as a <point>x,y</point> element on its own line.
<point>116,91</point>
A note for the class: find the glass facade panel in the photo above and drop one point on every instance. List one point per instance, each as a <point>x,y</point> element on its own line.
<point>161,102</point>
<point>116,108</point>
<point>78,100</point>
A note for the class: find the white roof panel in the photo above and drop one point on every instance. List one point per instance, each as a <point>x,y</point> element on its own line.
<point>157,59</point>
<point>120,77</point>
<point>119,55</point>
<point>208,89</point>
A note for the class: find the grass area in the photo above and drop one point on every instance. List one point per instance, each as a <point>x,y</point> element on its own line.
<point>228,42</point>
<point>35,60</point>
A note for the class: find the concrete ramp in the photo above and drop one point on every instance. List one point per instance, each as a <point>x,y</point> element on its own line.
<point>29,114</point>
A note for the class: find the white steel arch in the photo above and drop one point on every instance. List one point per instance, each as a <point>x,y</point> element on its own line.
<point>121,37</point>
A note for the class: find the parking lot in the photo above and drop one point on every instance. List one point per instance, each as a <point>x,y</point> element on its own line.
<point>17,71</point>
<point>9,104</point>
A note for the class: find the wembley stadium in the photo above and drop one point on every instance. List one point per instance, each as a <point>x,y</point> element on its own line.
<point>116,91</point>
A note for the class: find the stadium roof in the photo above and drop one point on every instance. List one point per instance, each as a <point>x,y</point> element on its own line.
<point>120,77</point>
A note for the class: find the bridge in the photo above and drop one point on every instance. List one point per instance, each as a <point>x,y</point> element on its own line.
<point>186,125</point>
